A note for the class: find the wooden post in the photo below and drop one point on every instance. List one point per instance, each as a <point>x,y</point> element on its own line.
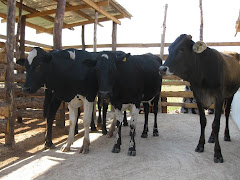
<point>57,44</point>
<point>21,53</point>
<point>83,38</point>
<point>114,36</point>
<point>95,32</point>
<point>9,80</point>
<point>58,24</point>
<point>201,20</point>
<point>164,108</point>
<point>22,37</point>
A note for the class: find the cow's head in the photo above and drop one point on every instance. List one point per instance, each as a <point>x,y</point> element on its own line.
<point>106,69</point>
<point>182,56</point>
<point>36,66</point>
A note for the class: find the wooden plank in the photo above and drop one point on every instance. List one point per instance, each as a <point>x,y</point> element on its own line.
<point>116,7</point>
<point>183,94</point>
<point>24,102</point>
<point>100,10</point>
<point>185,105</point>
<point>83,38</point>
<point>3,125</point>
<point>171,77</point>
<point>175,83</point>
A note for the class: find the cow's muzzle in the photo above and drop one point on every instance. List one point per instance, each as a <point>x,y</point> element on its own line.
<point>104,94</point>
<point>164,70</point>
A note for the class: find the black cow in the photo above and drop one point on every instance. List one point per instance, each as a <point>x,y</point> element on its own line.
<point>128,80</point>
<point>214,78</point>
<point>64,74</point>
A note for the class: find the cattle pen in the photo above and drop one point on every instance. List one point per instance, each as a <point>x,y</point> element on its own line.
<point>27,109</point>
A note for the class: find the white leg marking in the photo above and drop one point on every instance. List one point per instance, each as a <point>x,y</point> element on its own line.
<point>73,111</point>
<point>88,109</point>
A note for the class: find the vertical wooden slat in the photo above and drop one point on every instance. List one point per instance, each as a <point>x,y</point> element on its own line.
<point>9,80</point>
<point>164,109</point>
<point>201,20</point>
<point>114,37</point>
<point>22,37</point>
<point>57,44</point>
<point>95,32</point>
<point>83,38</point>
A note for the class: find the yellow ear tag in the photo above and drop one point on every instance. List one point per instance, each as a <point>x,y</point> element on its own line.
<point>125,59</point>
<point>199,47</point>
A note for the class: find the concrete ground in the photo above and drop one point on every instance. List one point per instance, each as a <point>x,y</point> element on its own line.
<point>169,156</point>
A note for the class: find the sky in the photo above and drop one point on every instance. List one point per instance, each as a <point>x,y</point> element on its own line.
<point>183,17</point>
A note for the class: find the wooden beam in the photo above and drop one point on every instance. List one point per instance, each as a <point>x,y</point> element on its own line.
<point>121,11</point>
<point>100,10</point>
<point>69,8</point>
<point>9,81</point>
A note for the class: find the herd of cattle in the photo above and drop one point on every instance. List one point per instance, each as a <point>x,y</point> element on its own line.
<point>126,81</point>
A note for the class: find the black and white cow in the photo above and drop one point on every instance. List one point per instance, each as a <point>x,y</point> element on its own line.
<point>64,74</point>
<point>214,78</point>
<point>127,81</point>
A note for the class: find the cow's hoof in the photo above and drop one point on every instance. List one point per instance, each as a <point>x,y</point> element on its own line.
<point>84,150</point>
<point>65,148</point>
<point>115,149</point>
<point>104,131</point>
<point>125,123</point>
<point>93,128</point>
<point>155,134</point>
<point>131,152</point>
<point>144,135</point>
<point>211,139</point>
<point>199,149</point>
<point>109,134</point>
<point>227,138</point>
<point>52,146</point>
<point>218,159</point>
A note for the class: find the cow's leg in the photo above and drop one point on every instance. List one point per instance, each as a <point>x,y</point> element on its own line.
<point>155,111</point>
<point>93,126</point>
<point>215,128</point>
<point>99,121</point>
<point>105,108</point>
<point>132,145</point>
<point>203,122</point>
<point>145,128</point>
<point>125,123</point>
<point>73,113</point>
<point>112,127</point>
<point>51,105</point>
<point>116,147</point>
<point>76,126</point>
<point>227,112</point>
<point>88,109</point>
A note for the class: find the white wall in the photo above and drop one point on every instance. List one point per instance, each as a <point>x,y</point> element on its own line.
<point>236,108</point>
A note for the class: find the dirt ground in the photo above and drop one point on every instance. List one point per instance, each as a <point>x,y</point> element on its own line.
<point>169,156</point>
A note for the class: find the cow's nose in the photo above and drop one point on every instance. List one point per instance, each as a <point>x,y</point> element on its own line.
<point>163,70</point>
<point>104,94</point>
<point>26,89</point>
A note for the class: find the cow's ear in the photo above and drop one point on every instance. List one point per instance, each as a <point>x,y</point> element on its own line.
<point>48,58</point>
<point>21,62</point>
<point>123,58</point>
<point>90,62</point>
<point>199,47</point>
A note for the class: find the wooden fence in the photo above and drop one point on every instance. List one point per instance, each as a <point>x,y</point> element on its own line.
<point>30,105</point>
